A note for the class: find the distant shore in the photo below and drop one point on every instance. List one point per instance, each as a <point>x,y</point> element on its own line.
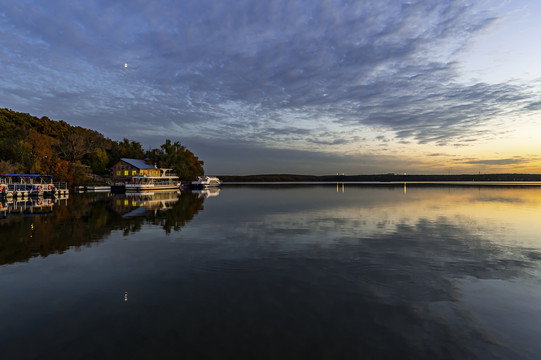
<point>379,178</point>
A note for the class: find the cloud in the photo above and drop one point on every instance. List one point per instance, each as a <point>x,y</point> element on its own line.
<point>497,161</point>
<point>534,106</point>
<point>284,74</point>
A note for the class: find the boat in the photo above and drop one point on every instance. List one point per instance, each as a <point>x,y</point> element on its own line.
<point>205,181</point>
<point>166,180</point>
<point>23,185</point>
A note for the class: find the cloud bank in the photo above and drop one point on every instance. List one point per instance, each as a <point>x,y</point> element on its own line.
<point>307,76</point>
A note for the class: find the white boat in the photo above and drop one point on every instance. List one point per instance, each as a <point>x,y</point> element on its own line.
<point>166,180</point>
<point>206,181</point>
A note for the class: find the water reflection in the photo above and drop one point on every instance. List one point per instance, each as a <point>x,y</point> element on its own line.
<point>433,272</point>
<point>207,193</point>
<point>287,272</point>
<point>82,219</point>
<point>141,203</point>
<point>32,206</point>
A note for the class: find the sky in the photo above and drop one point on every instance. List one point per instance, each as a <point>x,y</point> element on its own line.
<point>289,86</point>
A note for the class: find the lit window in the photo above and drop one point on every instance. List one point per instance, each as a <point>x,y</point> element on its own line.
<point>126,172</point>
<point>118,172</point>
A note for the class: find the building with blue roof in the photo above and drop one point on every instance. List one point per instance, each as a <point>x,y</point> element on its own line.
<point>130,167</point>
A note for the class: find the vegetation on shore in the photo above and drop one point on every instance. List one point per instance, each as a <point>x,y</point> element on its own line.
<point>78,155</point>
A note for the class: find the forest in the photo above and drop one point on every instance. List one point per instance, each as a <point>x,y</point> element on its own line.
<point>78,155</point>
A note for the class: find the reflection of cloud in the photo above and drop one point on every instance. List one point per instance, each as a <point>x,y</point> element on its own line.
<point>407,278</point>
<point>499,199</point>
<point>386,243</point>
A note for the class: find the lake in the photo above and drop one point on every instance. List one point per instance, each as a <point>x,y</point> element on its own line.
<point>334,271</point>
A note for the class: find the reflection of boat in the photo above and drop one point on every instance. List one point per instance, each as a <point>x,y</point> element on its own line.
<point>145,200</point>
<point>166,180</point>
<point>205,182</point>
<point>97,188</point>
<point>27,207</point>
<point>207,192</point>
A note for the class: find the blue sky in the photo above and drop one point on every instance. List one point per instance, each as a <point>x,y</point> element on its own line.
<point>311,87</point>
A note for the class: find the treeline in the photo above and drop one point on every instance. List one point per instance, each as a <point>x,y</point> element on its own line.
<point>72,153</point>
<point>379,178</point>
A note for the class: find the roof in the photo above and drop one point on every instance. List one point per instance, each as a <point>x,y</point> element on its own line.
<point>140,164</point>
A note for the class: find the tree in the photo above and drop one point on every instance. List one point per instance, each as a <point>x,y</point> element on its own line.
<point>7,167</point>
<point>41,150</point>
<point>125,149</point>
<point>98,162</point>
<point>22,154</point>
<point>72,145</point>
<point>185,164</point>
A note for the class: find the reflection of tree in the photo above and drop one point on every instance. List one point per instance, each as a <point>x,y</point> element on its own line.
<point>181,212</point>
<point>86,219</point>
<point>173,217</point>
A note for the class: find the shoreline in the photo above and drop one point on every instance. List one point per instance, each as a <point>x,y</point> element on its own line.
<point>381,178</point>
<point>390,183</point>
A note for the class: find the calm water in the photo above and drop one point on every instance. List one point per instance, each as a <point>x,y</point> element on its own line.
<point>274,272</point>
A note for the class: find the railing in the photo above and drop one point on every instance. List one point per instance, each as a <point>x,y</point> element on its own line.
<point>17,187</point>
<point>13,185</point>
<point>61,185</point>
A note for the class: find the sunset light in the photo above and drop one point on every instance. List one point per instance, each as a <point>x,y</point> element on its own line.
<point>290,86</point>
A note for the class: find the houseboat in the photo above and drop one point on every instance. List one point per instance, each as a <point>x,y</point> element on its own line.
<point>165,181</point>
<point>24,185</point>
<point>205,181</point>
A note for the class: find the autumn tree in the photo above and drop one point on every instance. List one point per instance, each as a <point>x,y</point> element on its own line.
<point>72,145</point>
<point>41,152</point>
